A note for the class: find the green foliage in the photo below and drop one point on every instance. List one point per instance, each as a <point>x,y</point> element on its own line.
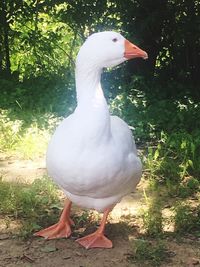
<point>33,204</point>
<point>32,143</point>
<point>187,218</point>
<point>8,131</point>
<point>41,38</point>
<point>175,163</point>
<point>24,200</point>
<point>27,120</point>
<point>169,132</point>
<point>22,139</point>
<point>152,217</point>
<point>188,187</point>
<point>147,253</point>
<point>38,95</point>
<point>147,108</point>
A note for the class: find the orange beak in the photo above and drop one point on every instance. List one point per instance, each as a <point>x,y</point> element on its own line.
<point>132,51</point>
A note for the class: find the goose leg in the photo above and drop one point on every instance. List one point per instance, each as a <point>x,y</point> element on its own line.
<point>97,239</point>
<point>60,229</point>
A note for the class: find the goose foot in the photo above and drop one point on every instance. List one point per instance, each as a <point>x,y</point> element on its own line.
<point>95,240</point>
<point>62,229</point>
<point>58,230</point>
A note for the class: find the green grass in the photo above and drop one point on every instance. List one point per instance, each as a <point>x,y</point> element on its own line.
<point>35,205</point>
<point>26,138</point>
<point>152,216</point>
<point>187,219</point>
<point>148,253</point>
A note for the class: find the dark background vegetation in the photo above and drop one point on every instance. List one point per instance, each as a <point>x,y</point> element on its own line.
<point>159,97</point>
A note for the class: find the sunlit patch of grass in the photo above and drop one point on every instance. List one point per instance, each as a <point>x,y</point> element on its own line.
<point>26,138</point>
<point>34,204</point>
<point>152,216</point>
<point>163,215</point>
<point>9,131</point>
<point>33,143</point>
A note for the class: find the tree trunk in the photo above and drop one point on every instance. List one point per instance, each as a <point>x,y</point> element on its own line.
<point>1,52</point>
<point>6,39</point>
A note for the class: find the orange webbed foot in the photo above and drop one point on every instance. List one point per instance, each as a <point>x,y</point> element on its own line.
<point>58,230</point>
<point>95,240</point>
<point>62,228</point>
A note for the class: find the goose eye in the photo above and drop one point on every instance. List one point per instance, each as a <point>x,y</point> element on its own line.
<point>114,40</point>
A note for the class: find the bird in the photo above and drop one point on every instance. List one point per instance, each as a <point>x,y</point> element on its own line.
<point>92,155</point>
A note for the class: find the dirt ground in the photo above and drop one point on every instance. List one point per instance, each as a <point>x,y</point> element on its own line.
<point>66,252</point>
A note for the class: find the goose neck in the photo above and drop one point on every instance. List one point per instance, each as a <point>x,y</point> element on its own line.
<point>88,84</point>
<point>92,108</point>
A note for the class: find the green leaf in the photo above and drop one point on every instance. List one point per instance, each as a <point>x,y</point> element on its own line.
<point>48,249</point>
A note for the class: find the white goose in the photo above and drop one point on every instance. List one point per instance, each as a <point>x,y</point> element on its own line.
<point>92,155</point>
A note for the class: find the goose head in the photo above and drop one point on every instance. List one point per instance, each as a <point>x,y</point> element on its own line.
<point>107,49</point>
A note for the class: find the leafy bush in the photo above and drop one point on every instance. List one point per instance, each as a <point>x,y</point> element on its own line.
<point>54,95</point>
<point>174,159</point>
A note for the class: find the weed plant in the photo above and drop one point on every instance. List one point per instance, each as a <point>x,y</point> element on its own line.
<point>187,219</point>
<point>147,253</point>
<point>35,204</point>
<point>152,216</point>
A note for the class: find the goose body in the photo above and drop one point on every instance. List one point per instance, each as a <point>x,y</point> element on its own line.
<point>94,169</point>
<point>92,155</point>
